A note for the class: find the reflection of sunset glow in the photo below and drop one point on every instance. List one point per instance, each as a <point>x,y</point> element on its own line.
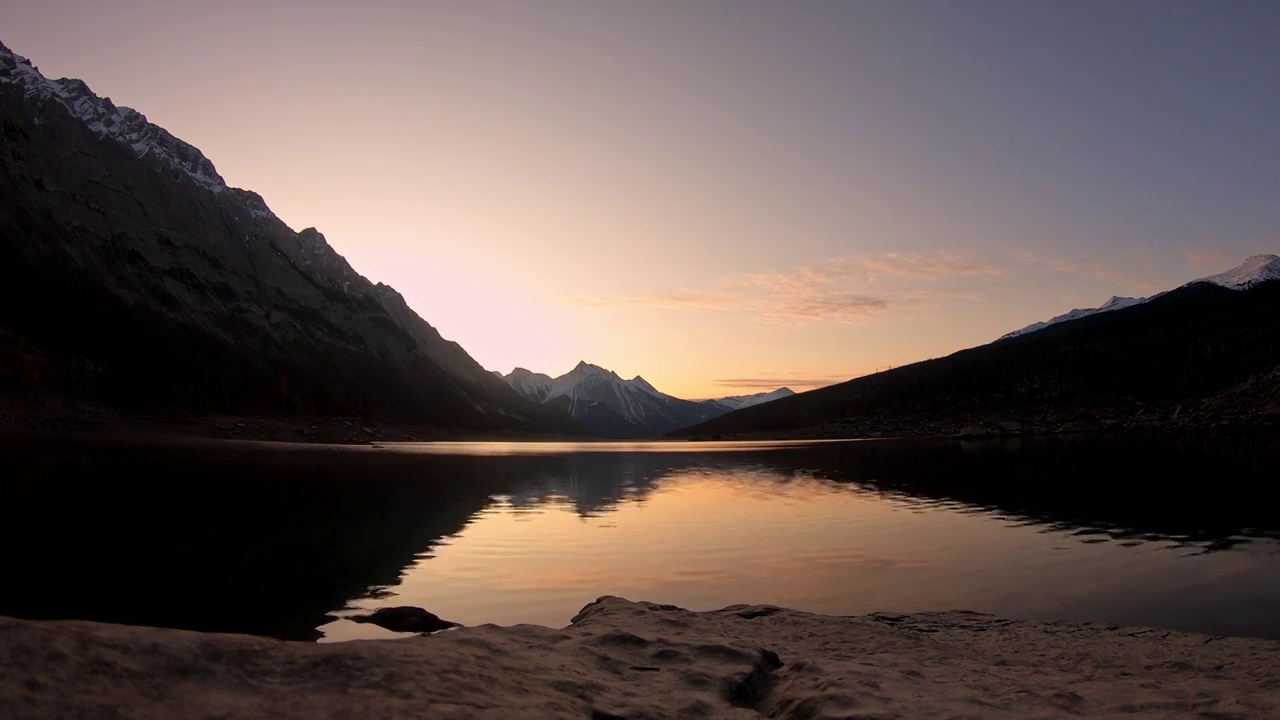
<point>503,448</point>
<point>705,539</point>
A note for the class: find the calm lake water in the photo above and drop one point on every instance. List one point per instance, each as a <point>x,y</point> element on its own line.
<point>287,540</point>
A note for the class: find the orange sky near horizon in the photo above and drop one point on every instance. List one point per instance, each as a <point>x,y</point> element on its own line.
<point>721,197</point>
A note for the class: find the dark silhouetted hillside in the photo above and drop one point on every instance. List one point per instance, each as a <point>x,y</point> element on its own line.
<point>130,273</point>
<point>1181,346</point>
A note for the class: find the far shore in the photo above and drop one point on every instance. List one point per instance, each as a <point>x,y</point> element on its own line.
<point>621,659</point>
<point>356,432</point>
<point>53,414</point>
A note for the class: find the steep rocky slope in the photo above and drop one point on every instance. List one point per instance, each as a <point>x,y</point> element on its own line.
<point>130,272</point>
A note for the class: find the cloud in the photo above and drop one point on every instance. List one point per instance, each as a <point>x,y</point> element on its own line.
<point>839,290</point>
<point>796,382</point>
<point>915,266</point>
<point>852,289</point>
<point>835,306</point>
<point>679,301</point>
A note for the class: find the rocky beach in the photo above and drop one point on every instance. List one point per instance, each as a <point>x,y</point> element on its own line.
<point>622,659</point>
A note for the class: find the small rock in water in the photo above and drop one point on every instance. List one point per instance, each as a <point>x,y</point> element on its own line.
<point>405,619</point>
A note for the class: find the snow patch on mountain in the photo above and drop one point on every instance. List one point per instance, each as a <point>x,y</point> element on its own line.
<point>612,406</point>
<point>1255,270</point>
<point>583,373</point>
<point>122,124</point>
<point>737,402</point>
<point>587,385</point>
<point>1115,303</point>
<point>643,385</point>
<point>535,386</point>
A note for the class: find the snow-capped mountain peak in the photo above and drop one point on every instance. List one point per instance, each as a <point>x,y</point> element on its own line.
<point>586,369</point>
<point>611,406</point>
<point>532,385</point>
<point>124,125</point>
<point>1256,269</point>
<point>582,373</point>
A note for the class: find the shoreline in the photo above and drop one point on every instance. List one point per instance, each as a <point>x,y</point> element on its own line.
<point>363,432</point>
<point>54,414</point>
<point>622,659</point>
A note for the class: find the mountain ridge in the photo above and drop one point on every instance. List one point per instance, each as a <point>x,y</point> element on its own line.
<point>1158,363</point>
<point>614,407</point>
<point>1115,303</point>
<point>160,285</point>
<point>737,402</point>
<point>1255,270</point>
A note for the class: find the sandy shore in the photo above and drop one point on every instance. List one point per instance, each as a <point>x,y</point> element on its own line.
<point>620,659</point>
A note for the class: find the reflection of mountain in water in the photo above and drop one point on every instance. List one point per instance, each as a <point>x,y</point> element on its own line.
<point>268,540</point>
<point>596,483</point>
<point>1209,494</point>
<point>593,483</point>
<point>1204,493</point>
<point>259,541</point>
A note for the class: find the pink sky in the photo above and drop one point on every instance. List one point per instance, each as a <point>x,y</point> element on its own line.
<point>721,198</point>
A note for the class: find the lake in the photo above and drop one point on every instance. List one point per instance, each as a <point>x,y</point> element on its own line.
<point>287,540</point>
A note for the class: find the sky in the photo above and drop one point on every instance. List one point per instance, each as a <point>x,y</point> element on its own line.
<point>723,197</point>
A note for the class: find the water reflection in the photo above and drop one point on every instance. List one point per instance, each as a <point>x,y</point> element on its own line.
<point>274,540</point>
<point>1211,495</point>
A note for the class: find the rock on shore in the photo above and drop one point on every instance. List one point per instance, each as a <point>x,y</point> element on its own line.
<point>619,659</point>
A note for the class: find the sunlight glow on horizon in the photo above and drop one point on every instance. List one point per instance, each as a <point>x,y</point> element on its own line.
<point>718,195</point>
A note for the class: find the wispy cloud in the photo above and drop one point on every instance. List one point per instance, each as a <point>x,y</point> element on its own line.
<point>796,382</point>
<point>853,289</point>
<point>680,300</point>
<point>840,290</point>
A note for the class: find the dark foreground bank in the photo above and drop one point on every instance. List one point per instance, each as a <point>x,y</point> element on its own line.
<point>620,659</point>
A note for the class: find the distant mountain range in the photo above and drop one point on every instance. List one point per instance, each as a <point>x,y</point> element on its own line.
<point>1206,354</point>
<point>609,406</point>
<point>1255,270</point>
<point>131,273</point>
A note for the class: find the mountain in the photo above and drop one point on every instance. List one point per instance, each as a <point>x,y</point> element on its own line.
<point>131,273</point>
<point>1213,344</point>
<point>532,385</point>
<point>737,402</point>
<point>1255,270</point>
<point>612,407</point>
<point>1115,303</point>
